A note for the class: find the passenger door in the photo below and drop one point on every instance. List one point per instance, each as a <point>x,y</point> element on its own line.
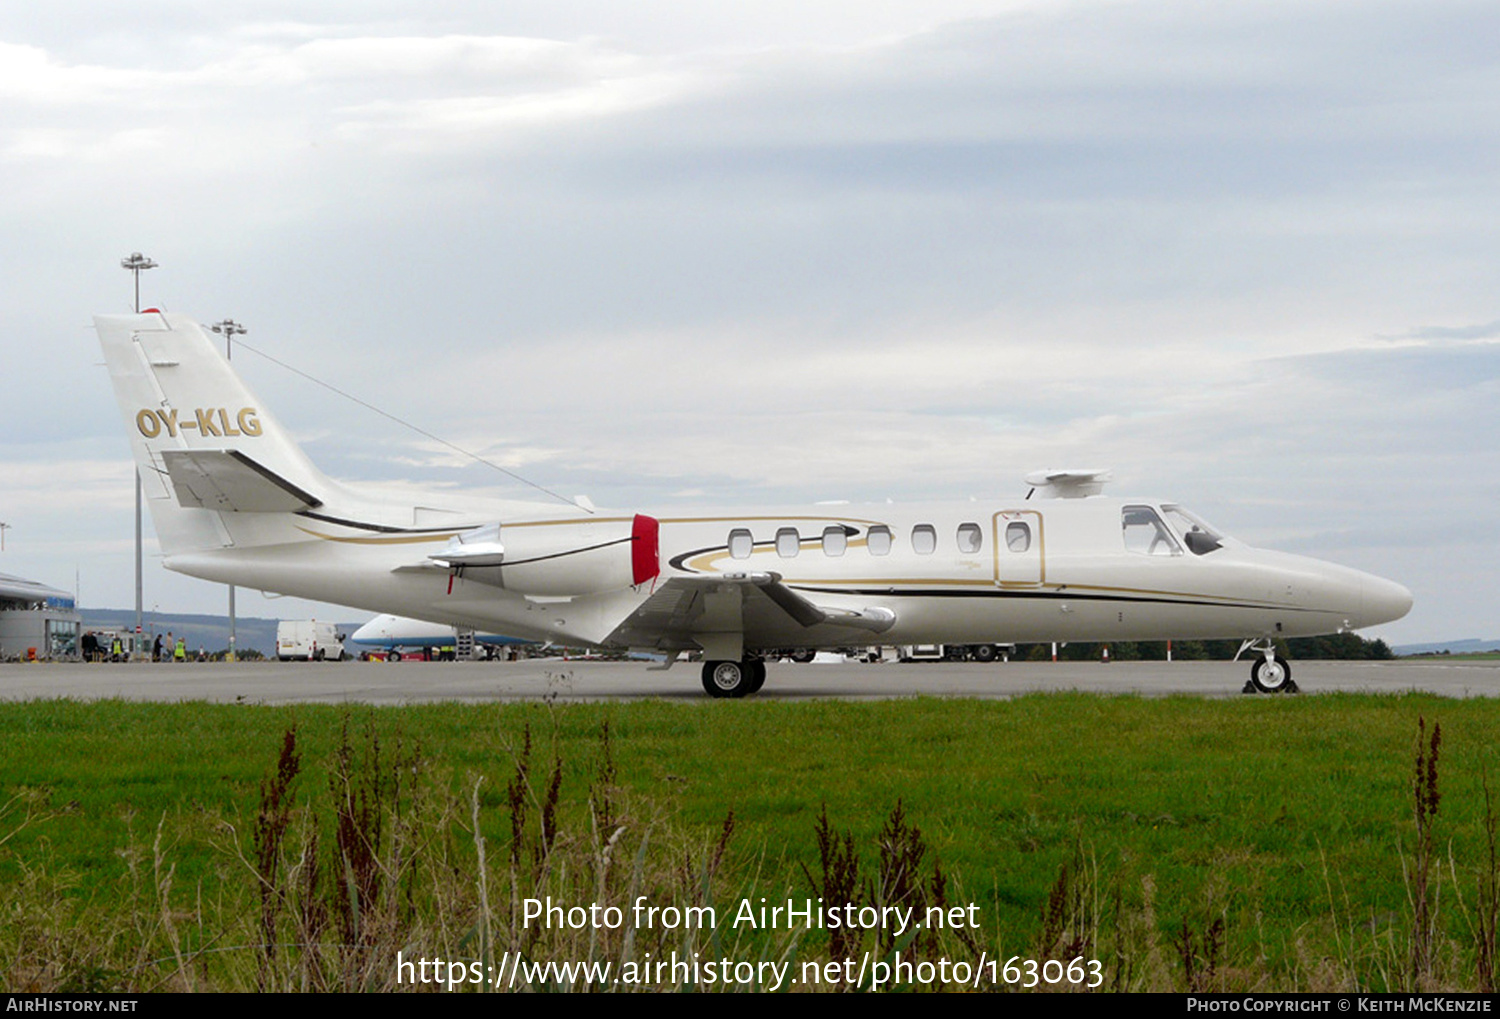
<point>1020,548</point>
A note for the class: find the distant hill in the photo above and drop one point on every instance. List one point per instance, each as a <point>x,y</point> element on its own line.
<point>1452,647</point>
<point>208,632</point>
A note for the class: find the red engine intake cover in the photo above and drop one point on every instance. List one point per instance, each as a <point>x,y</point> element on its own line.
<point>645,548</point>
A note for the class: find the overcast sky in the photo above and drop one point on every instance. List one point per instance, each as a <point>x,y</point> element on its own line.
<point>671,254</point>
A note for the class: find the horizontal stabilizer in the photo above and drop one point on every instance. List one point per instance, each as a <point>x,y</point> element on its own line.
<point>228,480</point>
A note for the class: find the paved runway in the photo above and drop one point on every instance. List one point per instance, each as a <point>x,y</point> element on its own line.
<point>409,682</point>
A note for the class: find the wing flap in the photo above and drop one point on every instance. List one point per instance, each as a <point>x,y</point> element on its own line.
<point>766,612</point>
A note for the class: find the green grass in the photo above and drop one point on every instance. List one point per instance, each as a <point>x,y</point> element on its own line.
<point>1287,819</point>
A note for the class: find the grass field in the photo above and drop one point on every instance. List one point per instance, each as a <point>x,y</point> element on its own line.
<point>1256,843</point>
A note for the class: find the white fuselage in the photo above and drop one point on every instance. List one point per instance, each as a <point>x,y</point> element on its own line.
<point>1070,577</point>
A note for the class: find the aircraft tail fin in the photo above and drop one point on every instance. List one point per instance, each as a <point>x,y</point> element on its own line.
<point>201,438</point>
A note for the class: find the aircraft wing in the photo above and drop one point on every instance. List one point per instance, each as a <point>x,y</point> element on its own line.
<point>757,609</point>
<point>226,479</point>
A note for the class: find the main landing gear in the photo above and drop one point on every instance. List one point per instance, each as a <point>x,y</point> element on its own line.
<point>734,679</point>
<point>1269,672</point>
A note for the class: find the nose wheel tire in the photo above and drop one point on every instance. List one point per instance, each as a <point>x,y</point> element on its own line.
<point>1271,675</point>
<point>733,679</point>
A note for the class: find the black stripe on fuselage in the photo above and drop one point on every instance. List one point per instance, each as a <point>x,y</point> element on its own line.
<point>560,555</point>
<point>1063,595</point>
<point>676,562</point>
<point>383,528</point>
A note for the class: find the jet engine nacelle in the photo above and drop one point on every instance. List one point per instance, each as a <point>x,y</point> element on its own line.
<point>558,559</point>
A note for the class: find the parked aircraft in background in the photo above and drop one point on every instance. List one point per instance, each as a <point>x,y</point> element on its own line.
<point>396,632</point>
<point>235,500</point>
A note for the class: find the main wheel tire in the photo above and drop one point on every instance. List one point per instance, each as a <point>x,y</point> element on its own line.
<point>757,676</point>
<point>803,656</point>
<point>1271,676</point>
<point>985,653</point>
<point>727,679</point>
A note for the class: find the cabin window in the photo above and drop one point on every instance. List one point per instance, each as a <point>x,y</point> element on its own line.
<point>1145,533</point>
<point>924,539</point>
<point>1018,536</point>
<point>970,538</point>
<point>740,543</point>
<point>788,543</point>
<point>835,541</point>
<point>879,540</point>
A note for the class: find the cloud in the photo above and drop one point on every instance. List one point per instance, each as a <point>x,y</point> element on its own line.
<point>764,253</point>
<point>1483,331</point>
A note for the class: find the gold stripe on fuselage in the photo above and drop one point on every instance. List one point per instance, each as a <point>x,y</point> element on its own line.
<point>396,540</point>
<point>781,517</point>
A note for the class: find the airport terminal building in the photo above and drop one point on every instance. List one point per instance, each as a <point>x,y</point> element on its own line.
<point>36,616</point>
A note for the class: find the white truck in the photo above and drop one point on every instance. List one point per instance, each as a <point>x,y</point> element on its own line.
<point>308,640</point>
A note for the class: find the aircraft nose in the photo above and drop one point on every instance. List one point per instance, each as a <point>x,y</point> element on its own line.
<point>1383,600</point>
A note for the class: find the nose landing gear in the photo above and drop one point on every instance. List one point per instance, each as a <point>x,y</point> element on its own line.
<point>1269,672</point>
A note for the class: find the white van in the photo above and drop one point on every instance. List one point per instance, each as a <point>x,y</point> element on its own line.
<point>308,640</point>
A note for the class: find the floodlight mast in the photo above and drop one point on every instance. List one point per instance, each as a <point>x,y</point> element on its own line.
<point>229,329</point>
<point>137,263</point>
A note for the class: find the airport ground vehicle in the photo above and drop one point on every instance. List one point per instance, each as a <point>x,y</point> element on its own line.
<point>235,500</point>
<point>308,640</point>
<point>956,652</point>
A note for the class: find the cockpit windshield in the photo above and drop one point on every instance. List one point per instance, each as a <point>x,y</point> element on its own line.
<point>1197,534</point>
<point>1145,534</point>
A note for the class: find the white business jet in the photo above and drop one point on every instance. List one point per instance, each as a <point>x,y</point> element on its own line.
<point>235,500</point>
<point>397,632</point>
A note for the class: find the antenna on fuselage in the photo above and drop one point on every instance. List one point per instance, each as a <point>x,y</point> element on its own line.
<point>1070,483</point>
